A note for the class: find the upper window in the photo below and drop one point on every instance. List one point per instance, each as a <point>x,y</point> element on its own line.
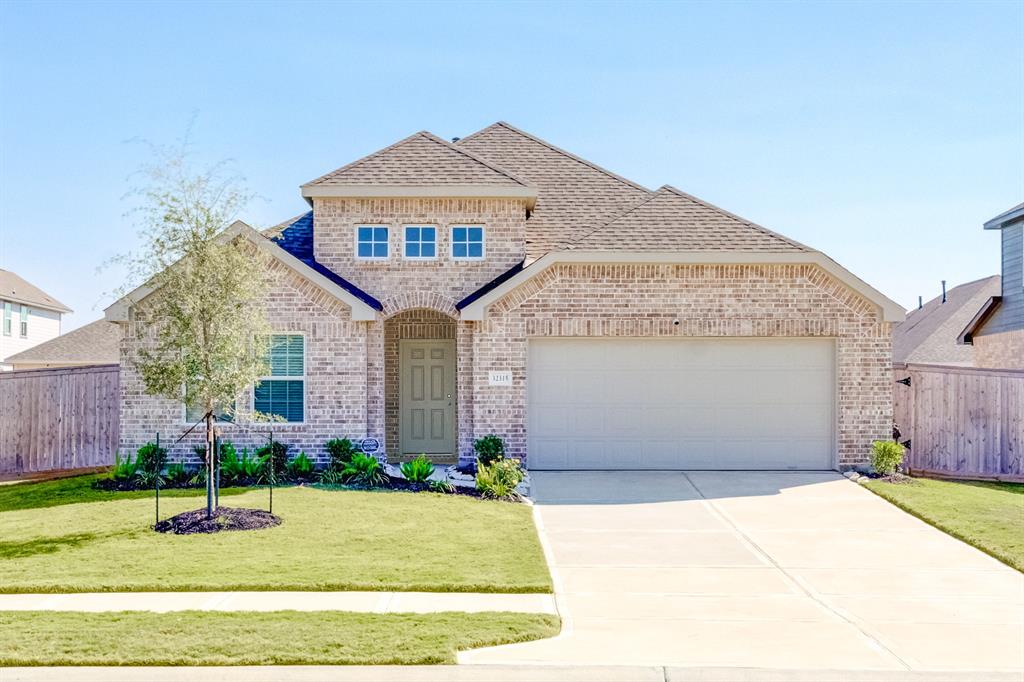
<point>281,394</point>
<point>420,241</point>
<point>372,242</point>
<point>7,318</point>
<point>23,327</point>
<point>467,242</point>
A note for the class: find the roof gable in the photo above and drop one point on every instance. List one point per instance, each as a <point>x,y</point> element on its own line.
<point>15,289</point>
<point>929,334</point>
<point>674,220</point>
<point>573,195</point>
<point>419,160</point>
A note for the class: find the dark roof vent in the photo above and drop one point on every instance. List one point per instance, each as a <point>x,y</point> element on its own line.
<point>943,291</point>
<point>455,139</point>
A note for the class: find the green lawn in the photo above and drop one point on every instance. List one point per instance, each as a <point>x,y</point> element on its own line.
<point>989,516</point>
<point>60,491</point>
<point>254,638</point>
<point>329,540</point>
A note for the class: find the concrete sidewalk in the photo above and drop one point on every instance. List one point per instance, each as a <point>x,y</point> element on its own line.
<point>490,673</point>
<point>362,602</point>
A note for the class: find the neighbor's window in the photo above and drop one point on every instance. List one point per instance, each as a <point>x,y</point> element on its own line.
<point>467,242</point>
<point>281,393</point>
<point>420,241</point>
<point>23,327</point>
<point>372,242</point>
<point>7,318</point>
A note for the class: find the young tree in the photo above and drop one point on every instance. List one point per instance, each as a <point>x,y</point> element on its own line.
<point>201,317</point>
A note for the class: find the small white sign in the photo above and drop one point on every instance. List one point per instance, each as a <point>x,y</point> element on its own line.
<point>501,378</point>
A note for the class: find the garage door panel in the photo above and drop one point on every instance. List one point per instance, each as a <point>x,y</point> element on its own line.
<point>680,403</point>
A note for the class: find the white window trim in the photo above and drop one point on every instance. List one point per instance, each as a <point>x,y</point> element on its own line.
<point>437,241</point>
<point>8,319</point>
<point>23,321</point>
<point>305,386</point>
<point>355,242</point>
<point>451,243</point>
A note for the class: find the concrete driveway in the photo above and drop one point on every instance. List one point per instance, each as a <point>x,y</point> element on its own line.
<point>763,570</point>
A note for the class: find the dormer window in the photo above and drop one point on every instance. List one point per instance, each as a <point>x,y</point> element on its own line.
<point>467,242</point>
<point>420,242</point>
<point>372,242</point>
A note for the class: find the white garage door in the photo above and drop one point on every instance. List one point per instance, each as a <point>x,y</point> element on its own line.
<point>630,403</point>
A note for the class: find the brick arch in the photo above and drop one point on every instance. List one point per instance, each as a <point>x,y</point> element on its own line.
<point>412,300</point>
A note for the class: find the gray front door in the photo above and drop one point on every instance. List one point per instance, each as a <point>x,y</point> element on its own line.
<point>427,397</point>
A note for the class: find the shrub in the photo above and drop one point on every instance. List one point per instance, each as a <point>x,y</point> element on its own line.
<point>332,477</point>
<point>232,470</point>
<point>886,457</point>
<point>341,451</point>
<point>364,470</point>
<point>254,468</point>
<point>417,470</point>
<point>499,479</point>
<point>301,467</point>
<point>150,462</point>
<point>280,456</point>
<point>489,449</point>
<point>177,475</point>
<point>441,486</point>
<point>124,470</point>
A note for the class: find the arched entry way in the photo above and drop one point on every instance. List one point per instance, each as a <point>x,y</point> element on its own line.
<point>420,390</point>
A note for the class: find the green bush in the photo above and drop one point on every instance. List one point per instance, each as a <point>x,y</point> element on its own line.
<point>177,475</point>
<point>886,457</point>
<point>332,477</point>
<point>417,470</point>
<point>150,462</point>
<point>341,451</point>
<point>280,456</point>
<point>364,470</point>
<point>441,486</point>
<point>489,449</point>
<point>254,468</point>
<point>124,470</point>
<point>301,467</point>
<point>232,470</point>
<point>499,479</point>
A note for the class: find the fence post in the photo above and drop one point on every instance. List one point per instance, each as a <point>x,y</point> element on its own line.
<point>216,485</point>
<point>271,510</point>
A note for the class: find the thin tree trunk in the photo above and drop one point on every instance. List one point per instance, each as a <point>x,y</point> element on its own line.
<point>210,455</point>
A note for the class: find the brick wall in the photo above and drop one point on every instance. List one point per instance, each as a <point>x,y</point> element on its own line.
<point>442,279</point>
<point>709,300</point>
<point>1004,350</point>
<point>336,380</point>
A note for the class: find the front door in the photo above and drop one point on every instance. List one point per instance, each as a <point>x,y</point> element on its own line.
<point>427,397</point>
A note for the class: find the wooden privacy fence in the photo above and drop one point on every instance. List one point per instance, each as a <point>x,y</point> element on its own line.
<point>54,419</point>
<point>962,421</point>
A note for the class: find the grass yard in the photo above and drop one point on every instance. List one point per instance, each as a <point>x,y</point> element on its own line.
<point>329,540</point>
<point>989,516</point>
<point>257,638</point>
<point>54,493</point>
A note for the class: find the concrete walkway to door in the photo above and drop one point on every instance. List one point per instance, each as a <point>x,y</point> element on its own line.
<point>762,570</point>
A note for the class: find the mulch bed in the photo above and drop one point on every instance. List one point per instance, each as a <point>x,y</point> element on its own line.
<point>224,519</point>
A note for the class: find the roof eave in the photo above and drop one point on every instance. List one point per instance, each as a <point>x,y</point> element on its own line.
<point>966,337</point>
<point>318,191</point>
<point>55,307</point>
<point>361,311</point>
<point>889,310</point>
<point>1002,220</point>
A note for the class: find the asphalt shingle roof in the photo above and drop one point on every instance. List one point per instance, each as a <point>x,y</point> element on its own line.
<point>419,160</point>
<point>929,334</point>
<point>574,196</point>
<point>672,220</point>
<point>297,239</point>
<point>13,288</point>
<point>95,343</point>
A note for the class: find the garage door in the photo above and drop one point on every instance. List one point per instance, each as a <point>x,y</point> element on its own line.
<point>630,403</point>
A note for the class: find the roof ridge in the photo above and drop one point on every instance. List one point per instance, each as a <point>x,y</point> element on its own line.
<point>749,223</point>
<point>650,197</point>
<point>479,159</point>
<point>361,159</point>
<point>559,150</point>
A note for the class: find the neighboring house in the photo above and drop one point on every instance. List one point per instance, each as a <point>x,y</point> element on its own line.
<point>30,316</point>
<point>439,292</point>
<point>997,331</point>
<point>97,343</point>
<point>929,334</point>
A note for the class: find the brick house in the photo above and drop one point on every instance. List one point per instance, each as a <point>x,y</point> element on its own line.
<point>438,292</point>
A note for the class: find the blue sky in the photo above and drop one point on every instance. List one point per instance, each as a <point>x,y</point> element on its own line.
<point>883,134</point>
